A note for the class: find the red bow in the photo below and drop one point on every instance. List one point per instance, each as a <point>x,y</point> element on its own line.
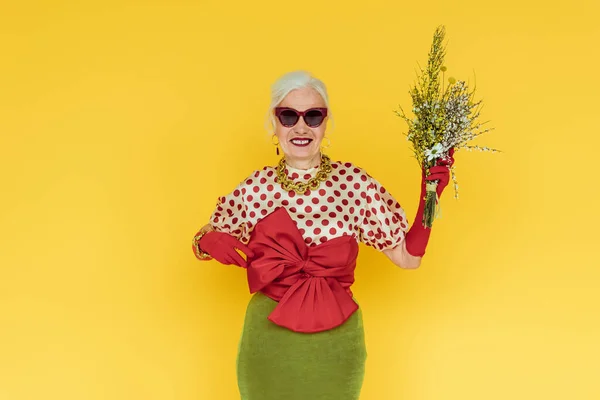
<point>311,284</point>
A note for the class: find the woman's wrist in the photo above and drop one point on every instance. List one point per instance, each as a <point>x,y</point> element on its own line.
<point>201,254</point>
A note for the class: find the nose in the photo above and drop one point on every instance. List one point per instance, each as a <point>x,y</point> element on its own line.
<point>301,126</point>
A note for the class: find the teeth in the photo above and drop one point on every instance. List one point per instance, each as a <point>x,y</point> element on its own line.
<point>300,141</point>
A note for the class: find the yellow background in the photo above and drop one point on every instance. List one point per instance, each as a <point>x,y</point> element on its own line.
<point>122,122</point>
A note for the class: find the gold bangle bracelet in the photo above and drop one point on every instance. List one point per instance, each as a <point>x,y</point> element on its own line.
<point>197,251</point>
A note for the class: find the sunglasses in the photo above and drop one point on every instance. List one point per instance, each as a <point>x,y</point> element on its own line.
<point>289,117</point>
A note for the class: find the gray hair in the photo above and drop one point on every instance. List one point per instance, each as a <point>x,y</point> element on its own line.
<point>291,81</point>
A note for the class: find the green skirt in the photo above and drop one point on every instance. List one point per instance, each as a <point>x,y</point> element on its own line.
<point>275,363</point>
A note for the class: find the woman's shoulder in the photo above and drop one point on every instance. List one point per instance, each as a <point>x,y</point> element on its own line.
<point>349,168</point>
<point>258,176</point>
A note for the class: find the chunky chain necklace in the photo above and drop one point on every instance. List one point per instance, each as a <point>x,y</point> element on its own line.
<point>301,187</point>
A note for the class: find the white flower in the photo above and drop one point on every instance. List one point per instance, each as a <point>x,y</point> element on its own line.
<point>434,152</point>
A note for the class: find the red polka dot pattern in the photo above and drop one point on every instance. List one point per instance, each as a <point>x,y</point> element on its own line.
<point>349,203</point>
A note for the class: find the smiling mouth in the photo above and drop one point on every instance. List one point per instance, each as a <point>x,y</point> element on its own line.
<point>301,142</point>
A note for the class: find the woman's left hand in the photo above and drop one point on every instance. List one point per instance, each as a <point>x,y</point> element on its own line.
<point>440,172</point>
<point>417,236</point>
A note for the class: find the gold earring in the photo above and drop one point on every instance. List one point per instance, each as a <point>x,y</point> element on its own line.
<point>276,144</point>
<point>329,143</point>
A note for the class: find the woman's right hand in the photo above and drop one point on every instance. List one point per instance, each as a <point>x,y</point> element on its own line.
<point>222,247</point>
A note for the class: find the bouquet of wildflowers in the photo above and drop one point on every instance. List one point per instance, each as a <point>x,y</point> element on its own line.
<point>445,117</point>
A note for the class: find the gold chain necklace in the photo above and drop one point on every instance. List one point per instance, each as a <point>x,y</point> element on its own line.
<point>301,187</point>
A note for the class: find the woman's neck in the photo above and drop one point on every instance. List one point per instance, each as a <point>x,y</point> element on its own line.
<point>304,163</point>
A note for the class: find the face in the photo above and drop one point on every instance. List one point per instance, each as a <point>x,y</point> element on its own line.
<point>301,143</point>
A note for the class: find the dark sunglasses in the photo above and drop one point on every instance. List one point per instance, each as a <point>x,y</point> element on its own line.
<point>289,117</point>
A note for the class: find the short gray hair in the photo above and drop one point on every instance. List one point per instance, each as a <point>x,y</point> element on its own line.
<point>291,81</point>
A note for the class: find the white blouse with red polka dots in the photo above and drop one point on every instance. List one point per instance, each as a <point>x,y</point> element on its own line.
<point>349,202</point>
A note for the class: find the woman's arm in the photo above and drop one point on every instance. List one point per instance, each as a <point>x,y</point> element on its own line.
<point>402,258</point>
<point>417,236</point>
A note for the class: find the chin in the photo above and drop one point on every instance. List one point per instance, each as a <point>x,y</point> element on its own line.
<point>304,153</point>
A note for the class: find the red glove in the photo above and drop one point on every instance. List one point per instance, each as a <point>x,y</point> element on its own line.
<point>417,236</point>
<point>221,246</point>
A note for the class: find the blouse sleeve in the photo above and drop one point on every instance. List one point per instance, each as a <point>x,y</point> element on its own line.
<point>384,225</point>
<point>229,215</point>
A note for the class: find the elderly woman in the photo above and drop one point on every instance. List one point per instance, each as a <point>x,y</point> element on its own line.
<point>299,224</point>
